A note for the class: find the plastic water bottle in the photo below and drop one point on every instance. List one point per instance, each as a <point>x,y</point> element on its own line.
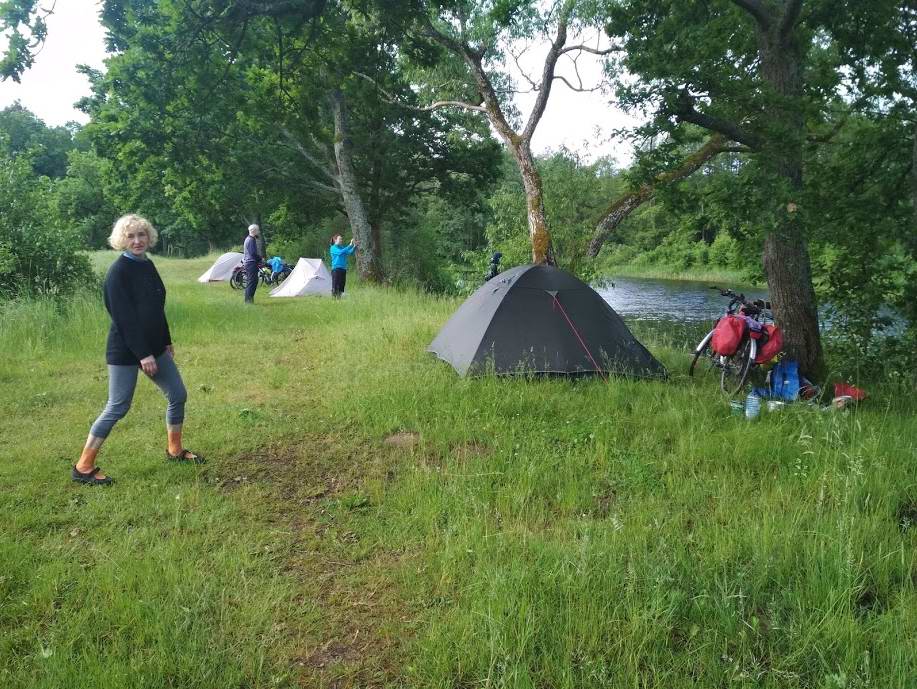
<point>752,406</point>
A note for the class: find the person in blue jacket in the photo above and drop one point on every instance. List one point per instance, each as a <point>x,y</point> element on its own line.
<point>339,254</point>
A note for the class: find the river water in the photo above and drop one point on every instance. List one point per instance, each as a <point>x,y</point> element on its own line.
<point>643,299</point>
<point>680,312</point>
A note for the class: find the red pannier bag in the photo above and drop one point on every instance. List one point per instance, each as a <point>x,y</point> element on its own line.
<point>727,335</point>
<point>772,346</point>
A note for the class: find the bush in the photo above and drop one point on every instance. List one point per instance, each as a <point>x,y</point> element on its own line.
<point>180,239</point>
<point>724,251</point>
<point>290,234</point>
<point>36,257</point>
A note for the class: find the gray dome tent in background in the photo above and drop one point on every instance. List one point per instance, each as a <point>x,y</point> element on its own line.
<point>541,319</point>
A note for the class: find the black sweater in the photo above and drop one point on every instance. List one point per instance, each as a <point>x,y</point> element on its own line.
<point>136,298</point>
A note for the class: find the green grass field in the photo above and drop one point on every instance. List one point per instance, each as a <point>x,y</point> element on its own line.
<point>369,519</point>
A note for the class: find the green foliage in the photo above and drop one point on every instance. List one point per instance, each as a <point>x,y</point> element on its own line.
<point>204,141</point>
<point>81,201</point>
<point>37,256</point>
<point>290,235</point>
<point>440,241</point>
<point>575,192</point>
<point>46,147</point>
<point>724,251</point>
<point>23,26</point>
<point>864,253</point>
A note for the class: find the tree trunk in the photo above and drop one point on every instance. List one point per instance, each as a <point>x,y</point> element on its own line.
<point>520,145</point>
<point>786,255</point>
<point>375,231</point>
<point>542,252</point>
<point>368,263</point>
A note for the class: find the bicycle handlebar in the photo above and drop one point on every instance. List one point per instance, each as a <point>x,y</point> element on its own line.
<point>740,299</point>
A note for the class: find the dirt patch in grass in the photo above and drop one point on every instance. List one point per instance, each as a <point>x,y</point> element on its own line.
<point>303,472</point>
<point>312,492</point>
<point>405,440</point>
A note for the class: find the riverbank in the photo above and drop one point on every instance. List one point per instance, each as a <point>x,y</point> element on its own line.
<point>369,519</point>
<point>721,277</point>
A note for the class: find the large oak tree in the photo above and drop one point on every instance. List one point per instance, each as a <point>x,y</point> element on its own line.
<point>760,75</point>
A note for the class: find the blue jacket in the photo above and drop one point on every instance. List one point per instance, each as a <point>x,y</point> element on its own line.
<point>339,255</point>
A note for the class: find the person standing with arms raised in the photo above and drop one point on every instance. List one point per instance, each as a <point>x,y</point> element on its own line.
<point>250,261</point>
<point>339,254</point>
<point>139,339</point>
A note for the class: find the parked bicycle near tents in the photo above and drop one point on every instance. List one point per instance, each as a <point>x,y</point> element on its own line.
<point>743,337</point>
<point>265,275</point>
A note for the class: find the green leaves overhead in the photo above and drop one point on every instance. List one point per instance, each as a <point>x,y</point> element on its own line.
<point>23,22</point>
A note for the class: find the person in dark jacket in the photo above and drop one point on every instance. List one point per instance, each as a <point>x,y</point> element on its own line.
<point>251,259</point>
<point>139,338</point>
<point>494,268</point>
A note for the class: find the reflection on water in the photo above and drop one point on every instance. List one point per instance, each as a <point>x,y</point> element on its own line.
<point>639,299</point>
<point>672,313</point>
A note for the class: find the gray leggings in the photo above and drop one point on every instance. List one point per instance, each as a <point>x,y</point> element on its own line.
<point>122,380</point>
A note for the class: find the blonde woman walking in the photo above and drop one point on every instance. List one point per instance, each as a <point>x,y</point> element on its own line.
<point>138,339</point>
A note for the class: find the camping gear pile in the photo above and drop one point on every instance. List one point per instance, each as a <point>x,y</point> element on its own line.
<point>784,384</point>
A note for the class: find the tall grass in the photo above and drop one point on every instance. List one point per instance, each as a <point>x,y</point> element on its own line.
<point>369,519</point>
<point>708,274</point>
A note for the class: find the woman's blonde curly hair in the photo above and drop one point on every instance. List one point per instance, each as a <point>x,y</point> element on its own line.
<point>131,223</point>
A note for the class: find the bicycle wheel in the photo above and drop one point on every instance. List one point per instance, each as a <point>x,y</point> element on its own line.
<point>735,368</point>
<point>237,281</point>
<point>704,352</point>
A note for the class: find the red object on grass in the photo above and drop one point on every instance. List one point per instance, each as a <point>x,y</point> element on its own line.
<point>846,390</point>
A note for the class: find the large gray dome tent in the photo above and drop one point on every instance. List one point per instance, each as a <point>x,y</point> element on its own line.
<point>541,319</point>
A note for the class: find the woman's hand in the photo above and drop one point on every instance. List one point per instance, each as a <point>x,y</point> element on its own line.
<point>148,364</point>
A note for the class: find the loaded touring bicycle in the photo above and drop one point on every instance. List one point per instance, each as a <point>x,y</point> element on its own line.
<point>743,337</point>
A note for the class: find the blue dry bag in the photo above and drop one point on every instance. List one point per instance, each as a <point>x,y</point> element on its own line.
<point>783,382</point>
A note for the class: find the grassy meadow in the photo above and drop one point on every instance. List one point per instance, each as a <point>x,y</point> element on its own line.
<point>369,519</point>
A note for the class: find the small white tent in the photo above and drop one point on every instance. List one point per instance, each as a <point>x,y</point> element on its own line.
<point>310,276</point>
<point>222,268</point>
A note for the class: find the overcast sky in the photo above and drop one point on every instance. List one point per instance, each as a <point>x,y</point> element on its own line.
<point>580,121</point>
